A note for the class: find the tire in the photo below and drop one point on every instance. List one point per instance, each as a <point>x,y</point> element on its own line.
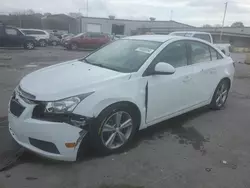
<point>29,45</point>
<point>106,133</point>
<point>73,46</point>
<point>54,43</point>
<point>220,95</point>
<point>42,43</point>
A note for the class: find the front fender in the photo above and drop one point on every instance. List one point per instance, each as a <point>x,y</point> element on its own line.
<point>129,91</point>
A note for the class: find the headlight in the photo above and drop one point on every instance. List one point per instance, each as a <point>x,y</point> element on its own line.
<point>65,105</point>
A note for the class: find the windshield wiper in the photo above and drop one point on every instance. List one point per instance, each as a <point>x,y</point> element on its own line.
<point>101,65</point>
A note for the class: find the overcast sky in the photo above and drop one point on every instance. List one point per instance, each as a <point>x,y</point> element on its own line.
<point>193,12</point>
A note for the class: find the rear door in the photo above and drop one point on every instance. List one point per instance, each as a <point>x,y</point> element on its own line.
<point>96,40</point>
<point>204,60</point>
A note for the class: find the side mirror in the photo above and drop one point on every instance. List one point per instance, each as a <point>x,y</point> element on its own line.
<point>163,68</point>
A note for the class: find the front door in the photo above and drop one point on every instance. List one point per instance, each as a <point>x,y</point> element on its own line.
<point>13,37</point>
<point>168,94</point>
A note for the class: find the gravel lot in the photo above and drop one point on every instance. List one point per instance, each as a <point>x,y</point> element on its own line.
<point>208,149</point>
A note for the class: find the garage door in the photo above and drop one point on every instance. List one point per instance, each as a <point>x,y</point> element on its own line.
<point>93,27</point>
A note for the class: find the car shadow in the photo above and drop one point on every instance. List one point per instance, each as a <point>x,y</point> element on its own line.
<point>173,126</point>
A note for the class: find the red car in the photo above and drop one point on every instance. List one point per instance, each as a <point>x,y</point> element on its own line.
<point>87,40</point>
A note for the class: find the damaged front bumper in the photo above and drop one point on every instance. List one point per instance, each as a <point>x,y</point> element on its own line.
<point>56,137</point>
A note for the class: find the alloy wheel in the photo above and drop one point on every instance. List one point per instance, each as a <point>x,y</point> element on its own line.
<point>30,45</point>
<point>42,43</point>
<point>221,95</point>
<point>54,43</point>
<point>116,130</point>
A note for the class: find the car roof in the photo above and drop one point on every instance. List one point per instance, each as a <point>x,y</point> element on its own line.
<point>190,32</point>
<point>155,38</point>
<point>32,29</point>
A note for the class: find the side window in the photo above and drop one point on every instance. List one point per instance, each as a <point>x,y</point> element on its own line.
<point>1,30</point>
<point>11,31</point>
<point>175,54</point>
<point>40,33</point>
<point>199,52</point>
<point>215,55</point>
<point>205,37</point>
<point>95,35</point>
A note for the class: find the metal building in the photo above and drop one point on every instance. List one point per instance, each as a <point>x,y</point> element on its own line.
<point>112,25</point>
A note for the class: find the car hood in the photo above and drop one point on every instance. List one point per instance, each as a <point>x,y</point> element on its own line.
<point>68,79</point>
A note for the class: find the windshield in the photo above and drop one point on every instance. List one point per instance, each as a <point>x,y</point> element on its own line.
<point>123,55</point>
<point>78,35</point>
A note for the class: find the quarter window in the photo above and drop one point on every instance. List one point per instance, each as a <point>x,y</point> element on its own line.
<point>175,54</point>
<point>199,52</point>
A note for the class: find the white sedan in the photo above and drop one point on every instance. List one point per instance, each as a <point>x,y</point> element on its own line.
<point>112,93</point>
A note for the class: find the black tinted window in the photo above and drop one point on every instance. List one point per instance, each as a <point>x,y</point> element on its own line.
<point>175,54</point>
<point>205,37</point>
<point>199,52</point>
<point>1,30</point>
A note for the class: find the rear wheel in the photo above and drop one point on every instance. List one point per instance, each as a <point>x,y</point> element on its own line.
<point>29,45</point>
<point>42,43</point>
<point>54,43</point>
<point>114,129</point>
<point>220,95</point>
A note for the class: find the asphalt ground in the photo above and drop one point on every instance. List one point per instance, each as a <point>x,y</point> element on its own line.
<point>203,148</point>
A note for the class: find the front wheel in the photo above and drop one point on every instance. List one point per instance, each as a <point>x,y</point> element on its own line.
<point>114,129</point>
<point>73,46</point>
<point>220,95</point>
<point>29,45</point>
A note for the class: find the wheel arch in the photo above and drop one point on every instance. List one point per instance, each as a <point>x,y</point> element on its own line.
<point>132,105</point>
<point>228,80</point>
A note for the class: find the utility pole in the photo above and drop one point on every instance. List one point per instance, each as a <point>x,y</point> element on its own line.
<point>87,8</point>
<point>171,15</point>
<point>223,21</point>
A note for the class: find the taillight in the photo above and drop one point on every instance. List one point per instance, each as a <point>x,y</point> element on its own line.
<point>234,64</point>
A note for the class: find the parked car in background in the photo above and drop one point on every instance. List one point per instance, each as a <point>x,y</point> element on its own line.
<point>41,36</point>
<point>116,37</point>
<point>13,37</point>
<point>65,37</point>
<point>107,96</point>
<point>225,48</point>
<point>89,40</point>
<point>54,40</point>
